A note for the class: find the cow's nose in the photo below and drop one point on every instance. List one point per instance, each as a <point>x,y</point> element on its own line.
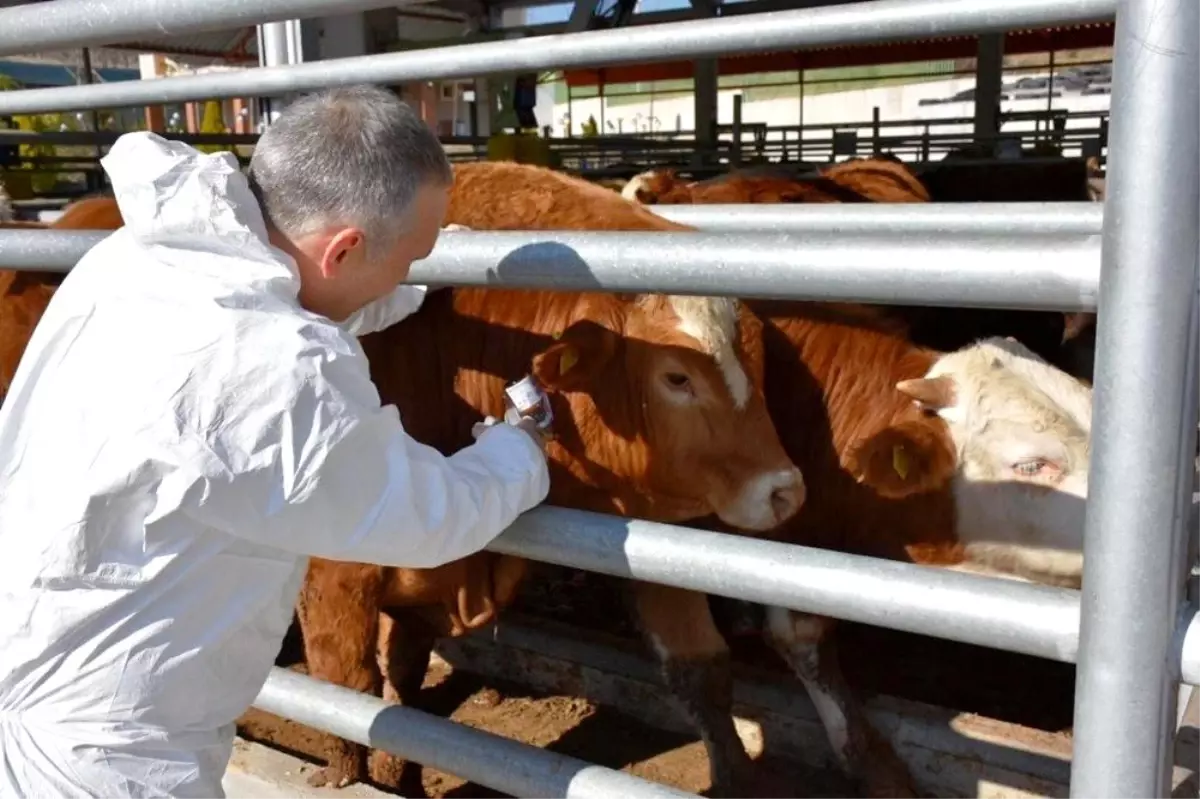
<point>787,496</point>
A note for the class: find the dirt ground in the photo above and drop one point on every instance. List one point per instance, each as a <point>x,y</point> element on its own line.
<point>1013,688</point>
<point>563,724</point>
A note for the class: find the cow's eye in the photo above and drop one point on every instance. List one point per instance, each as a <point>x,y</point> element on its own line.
<point>677,381</point>
<point>1040,468</point>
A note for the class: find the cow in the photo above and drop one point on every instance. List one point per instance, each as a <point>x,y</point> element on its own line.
<point>974,174</point>
<point>841,382</point>
<point>659,415</point>
<point>1066,340</point>
<point>856,181</point>
<point>973,460</point>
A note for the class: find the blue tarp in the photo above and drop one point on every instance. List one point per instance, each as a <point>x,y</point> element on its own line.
<point>109,75</point>
<point>30,75</point>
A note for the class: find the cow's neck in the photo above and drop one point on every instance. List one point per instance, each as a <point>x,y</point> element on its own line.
<point>831,376</point>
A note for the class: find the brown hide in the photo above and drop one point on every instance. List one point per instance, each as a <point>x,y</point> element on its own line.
<point>854,181</point>
<point>880,179</point>
<point>445,347</point>
<point>878,471</point>
<point>1067,341</point>
<point>506,196</point>
<point>830,381</point>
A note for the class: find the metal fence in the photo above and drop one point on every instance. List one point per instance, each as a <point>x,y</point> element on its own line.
<point>1130,630</point>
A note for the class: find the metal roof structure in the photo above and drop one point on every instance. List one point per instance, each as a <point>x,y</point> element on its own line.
<point>237,45</point>
<point>240,45</point>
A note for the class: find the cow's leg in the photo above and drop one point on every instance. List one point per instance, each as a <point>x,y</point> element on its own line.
<point>805,643</point>
<point>339,617</point>
<point>406,642</point>
<point>695,661</point>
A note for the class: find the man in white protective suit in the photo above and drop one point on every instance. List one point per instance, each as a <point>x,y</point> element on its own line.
<point>193,417</point>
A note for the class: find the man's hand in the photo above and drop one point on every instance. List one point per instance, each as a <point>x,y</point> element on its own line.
<point>530,427</point>
<point>525,424</point>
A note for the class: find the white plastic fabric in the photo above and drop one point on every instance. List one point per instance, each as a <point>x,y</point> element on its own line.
<point>179,436</point>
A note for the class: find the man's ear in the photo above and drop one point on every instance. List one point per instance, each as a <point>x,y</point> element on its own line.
<point>346,247</point>
<point>907,458</point>
<point>576,359</point>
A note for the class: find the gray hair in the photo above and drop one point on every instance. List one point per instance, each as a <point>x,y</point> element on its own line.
<point>354,155</point>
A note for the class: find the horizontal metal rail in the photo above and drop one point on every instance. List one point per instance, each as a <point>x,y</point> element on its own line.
<point>866,22</point>
<point>1043,273</point>
<point>62,24</point>
<point>515,768</point>
<point>1002,614</point>
<point>108,137</point>
<point>974,219</point>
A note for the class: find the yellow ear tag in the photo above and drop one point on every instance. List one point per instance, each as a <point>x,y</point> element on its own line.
<point>567,360</point>
<point>556,335</point>
<point>900,461</point>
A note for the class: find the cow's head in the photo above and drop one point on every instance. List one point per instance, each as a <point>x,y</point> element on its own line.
<point>667,412</point>
<point>656,186</point>
<point>1019,429</point>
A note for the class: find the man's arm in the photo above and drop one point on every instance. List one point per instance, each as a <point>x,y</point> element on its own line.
<point>342,480</point>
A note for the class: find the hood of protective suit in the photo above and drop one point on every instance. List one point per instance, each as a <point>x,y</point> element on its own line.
<point>179,437</point>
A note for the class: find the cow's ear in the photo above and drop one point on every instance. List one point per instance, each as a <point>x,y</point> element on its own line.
<point>906,458</point>
<point>576,359</point>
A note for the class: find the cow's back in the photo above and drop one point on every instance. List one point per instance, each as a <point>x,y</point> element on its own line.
<point>499,195</point>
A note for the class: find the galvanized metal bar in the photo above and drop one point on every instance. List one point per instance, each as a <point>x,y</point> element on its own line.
<point>108,137</point>
<point>942,219</point>
<point>62,24</point>
<point>872,21</point>
<point>1124,686</point>
<point>512,767</point>
<point>1005,614</point>
<point>1048,273</point>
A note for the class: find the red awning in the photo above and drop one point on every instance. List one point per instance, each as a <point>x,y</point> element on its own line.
<point>1075,37</point>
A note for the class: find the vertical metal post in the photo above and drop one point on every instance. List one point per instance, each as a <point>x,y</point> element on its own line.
<point>735,154</point>
<point>1050,92</point>
<point>1124,693</point>
<point>275,48</point>
<point>989,77</point>
<point>704,103</point>
<point>94,180</point>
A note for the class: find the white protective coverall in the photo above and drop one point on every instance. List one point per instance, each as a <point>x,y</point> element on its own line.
<point>180,435</point>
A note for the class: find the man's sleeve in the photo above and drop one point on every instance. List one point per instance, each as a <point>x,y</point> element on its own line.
<point>336,476</point>
<point>386,311</point>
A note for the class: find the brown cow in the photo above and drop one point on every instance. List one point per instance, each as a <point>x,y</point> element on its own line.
<point>854,181</point>
<point>879,460</point>
<point>978,462</point>
<point>1066,340</point>
<point>660,415</point>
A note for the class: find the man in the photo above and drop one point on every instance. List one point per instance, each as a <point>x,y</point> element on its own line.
<point>190,421</point>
